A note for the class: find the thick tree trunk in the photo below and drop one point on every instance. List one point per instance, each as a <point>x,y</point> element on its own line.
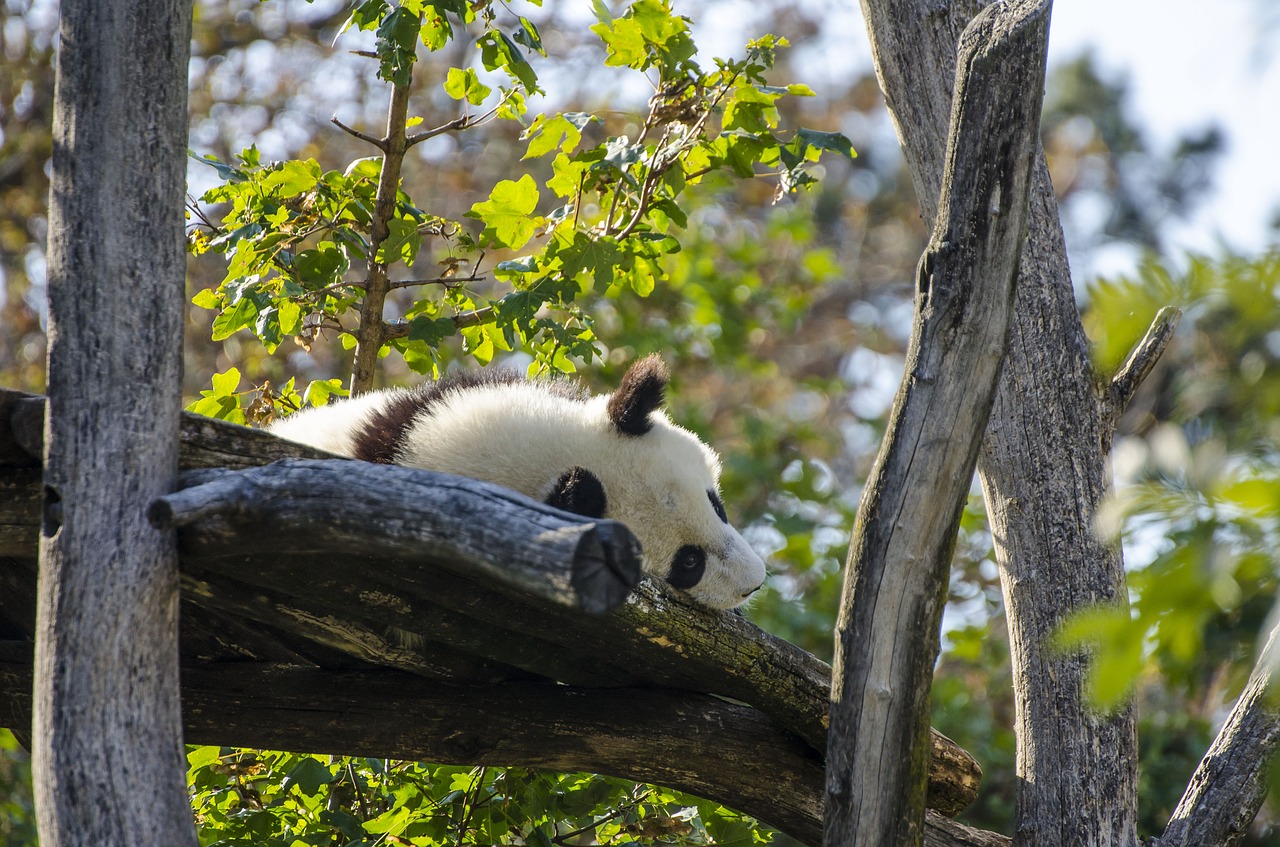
<point>896,580</point>
<point>107,760</point>
<point>1042,469</point>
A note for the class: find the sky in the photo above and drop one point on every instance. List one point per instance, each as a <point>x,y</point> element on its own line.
<point>1187,64</point>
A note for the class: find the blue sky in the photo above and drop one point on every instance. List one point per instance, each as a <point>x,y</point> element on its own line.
<point>1187,64</point>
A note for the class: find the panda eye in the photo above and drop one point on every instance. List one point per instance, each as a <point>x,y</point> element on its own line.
<point>687,567</point>
<point>718,506</point>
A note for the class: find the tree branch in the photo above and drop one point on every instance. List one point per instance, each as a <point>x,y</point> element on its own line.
<point>452,126</point>
<point>1118,393</point>
<point>477,317</point>
<point>281,592</point>
<point>380,143</point>
<point>687,741</point>
<point>371,334</point>
<point>899,559</point>
<point>1228,787</point>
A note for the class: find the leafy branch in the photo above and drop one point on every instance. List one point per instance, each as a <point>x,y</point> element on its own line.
<point>306,248</point>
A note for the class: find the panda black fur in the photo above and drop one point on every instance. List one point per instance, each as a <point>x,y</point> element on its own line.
<point>603,456</point>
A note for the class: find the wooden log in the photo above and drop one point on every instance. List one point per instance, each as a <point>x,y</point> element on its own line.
<point>307,507</point>
<point>658,637</point>
<point>704,745</point>
<point>896,579</point>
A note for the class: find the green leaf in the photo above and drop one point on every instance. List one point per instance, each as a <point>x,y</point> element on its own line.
<point>499,51</point>
<point>320,267</point>
<point>241,315</point>
<point>436,30</point>
<point>292,178</point>
<point>199,757</point>
<point>207,298</point>
<point>625,43</point>
<point>402,242</point>
<point>226,383</point>
<point>308,775</point>
<point>222,408</point>
<point>562,132</point>
<point>508,213</point>
<point>226,172</point>
<point>290,315</point>
<point>463,84</point>
<point>430,331</point>
<point>397,41</point>
<point>833,141</point>
<point>529,37</point>
<point>657,23</point>
<point>320,390</point>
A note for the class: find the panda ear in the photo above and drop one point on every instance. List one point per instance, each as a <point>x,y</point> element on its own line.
<point>579,491</point>
<point>642,392</point>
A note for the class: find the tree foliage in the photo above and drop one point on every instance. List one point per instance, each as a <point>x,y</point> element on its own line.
<point>293,232</point>
<point>272,799</point>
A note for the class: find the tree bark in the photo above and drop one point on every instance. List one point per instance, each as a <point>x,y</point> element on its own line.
<point>304,505</point>
<point>1230,783</point>
<point>896,579</point>
<point>107,759</point>
<point>1042,469</point>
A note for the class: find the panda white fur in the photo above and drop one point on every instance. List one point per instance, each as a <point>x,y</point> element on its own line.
<point>605,456</point>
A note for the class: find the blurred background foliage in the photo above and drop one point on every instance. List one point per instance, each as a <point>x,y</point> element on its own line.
<point>785,327</point>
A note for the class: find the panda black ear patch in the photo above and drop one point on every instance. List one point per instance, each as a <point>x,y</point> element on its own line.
<point>642,392</point>
<point>579,491</point>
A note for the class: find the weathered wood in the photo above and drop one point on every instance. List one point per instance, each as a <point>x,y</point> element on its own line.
<point>407,611</point>
<point>205,442</point>
<point>684,740</point>
<point>107,760</point>
<point>1231,781</point>
<point>1118,392</point>
<point>1042,470</point>
<point>306,507</point>
<point>895,586</point>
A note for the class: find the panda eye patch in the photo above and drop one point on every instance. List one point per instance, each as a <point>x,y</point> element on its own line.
<point>718,506</point>
<point>687,567</point>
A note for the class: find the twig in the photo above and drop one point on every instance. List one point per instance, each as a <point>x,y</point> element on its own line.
<point>334,287</point>
<point>460,321</point>
<point>456,124</point>
<point>446,281</point>
<point>1118,393</point>
<point>199,213</point>
<point>465,823</point>
<point>562,840</point>
<point>380,143</point>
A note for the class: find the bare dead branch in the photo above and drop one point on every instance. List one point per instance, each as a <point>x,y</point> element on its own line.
<point>1229,785</point>
<point>1118,393</point>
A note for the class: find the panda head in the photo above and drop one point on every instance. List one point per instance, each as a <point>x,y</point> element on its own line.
<point>663,483</point>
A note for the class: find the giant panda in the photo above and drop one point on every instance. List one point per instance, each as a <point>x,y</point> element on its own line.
<point>604,456</point>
